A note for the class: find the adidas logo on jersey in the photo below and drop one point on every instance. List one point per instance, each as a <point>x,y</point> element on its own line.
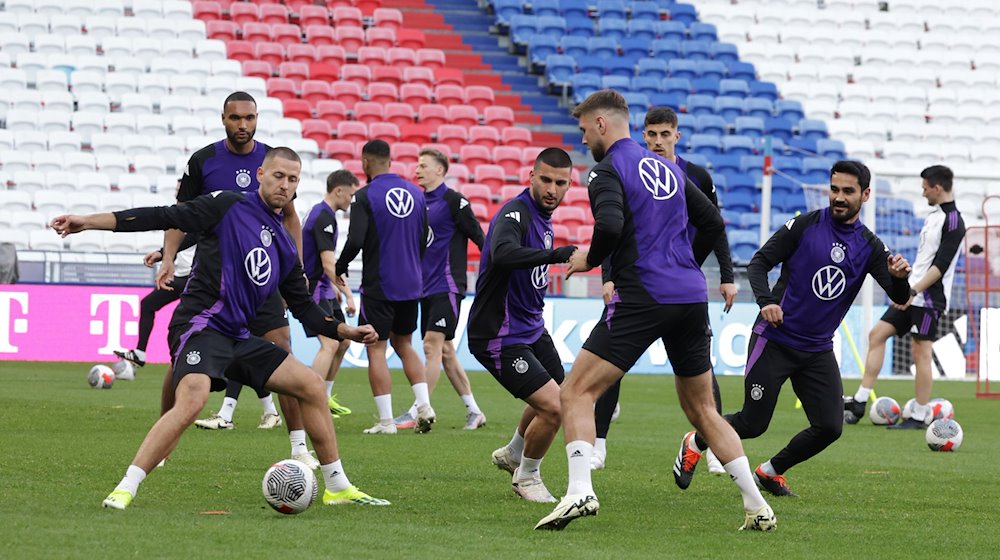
<point>463,204</point>
<point>441,323</point>
<point>516,216</point>
<point>328,229</point>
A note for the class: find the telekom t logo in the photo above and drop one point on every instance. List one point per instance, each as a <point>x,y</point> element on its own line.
<point>114,302</point>
<point>8,324</point>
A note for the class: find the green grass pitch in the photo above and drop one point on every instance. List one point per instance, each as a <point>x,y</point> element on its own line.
<point>872,494</point>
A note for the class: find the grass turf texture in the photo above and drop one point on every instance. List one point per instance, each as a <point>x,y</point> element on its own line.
<point>874,493</point>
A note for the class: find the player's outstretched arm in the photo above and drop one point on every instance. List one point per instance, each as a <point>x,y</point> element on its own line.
<point>68,224</point>
<point>506,248</point>
<point>892,272</point>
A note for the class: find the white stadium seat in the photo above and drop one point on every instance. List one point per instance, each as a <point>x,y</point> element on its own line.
<point>15,236</point>
<point>61,181</point>
<point>45,240</point>
<point>210,49</point>
<point>31,141</point>
<point>15,160</point>
<point>152,125</point>
<point>50,201</point>
<point>29,181</point>
<point>113,163</point>
<point>154,85</point>
<point>15,201</point>
<point>45,162</point>
<point>58,100</point>
<point>136,145</point>
<point>115,201</point>
<point>93,182</point>
<point>118,123</point>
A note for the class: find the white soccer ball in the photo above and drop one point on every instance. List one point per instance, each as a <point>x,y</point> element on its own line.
<point>941,409</point>
<point>884,411</point>
<point>124,370</point>
<point>101,377</point>
<point>908,408</point>
<point>944,435</point>
<point>289,486</point>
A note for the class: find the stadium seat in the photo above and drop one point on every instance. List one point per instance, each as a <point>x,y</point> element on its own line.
<point>369,112</point>
<point>509,158</point>
<point>486,136</point>
<point>453,136</point>
<point>399,113</point>
<point>490,175</point>
<point>432,115</point>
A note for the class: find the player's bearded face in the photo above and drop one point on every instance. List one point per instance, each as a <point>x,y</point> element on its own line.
<point>846,197</point>
<point>592,136</point>
<point>549,185</point>
<point>279,179</point>
<point>240,121</point>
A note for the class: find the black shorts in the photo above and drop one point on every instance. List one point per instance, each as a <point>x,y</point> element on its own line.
<point>251,361</point>
<point>522,369</point>
<point>332,308</point>
<point>921,322</point>
<point>270,315</point>
<point>399,317</point>
<point>439,313</point>
<point>625,331</point>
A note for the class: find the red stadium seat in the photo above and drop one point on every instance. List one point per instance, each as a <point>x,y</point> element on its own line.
<point>331,54</point>
<point>330,110</point>
<point>206,10</point>
<point>295,71</point>
<point>340,149</point>
<point>510,191</point>
<point>221,30</point>
<point>353,131</point>
<point>410,38</point>
<point>321,35</point>
<point>294,5</point>
<point>415,94</point>
<point>430,58</point>
<point>287,33</point>
<point>529,154</point>
<point>297,109</point>
<point>384,131</point>
<point>271,53</point>
<point>241,50</point>
<point>350,38</point>
<point>560,235</point>
<point>329,71</point>
<point>300,53</point>
<point>479,97</point>
<point>458,171</point>
<point>446,150</point>
<point>491,175</point>
<point>584,234</point>
<point>257,69</point>
<point>347,92</point>
<point>344,16</point>
<point>463,115</point>
<point>388,74</point>
<point>367,7</point>
<point>509,158</point>
<point>449,95</point>
<point>380,92</point>
<point>403,58</point>
<point>372,56</point>
<point>354,166</point>
<point>524,174</point>
<point>474,156</point>
<point>399,114</point>
<point>317,130</point>
<point>315,91</point>
<point>256,32</point>
<point>481,211</point>
<point>357,73</point>
<point>313,15</point>
<point>399,168</point>
<point>369,112</point>
<point>449,76</point>
<point>418,76</point>
<point>513,136</point>
<point>380,37</point>
<point>244,12</point>
<point>416,133</point>
<point>477,193</point>
<point>388,17</point>
<point>282,88</point>
<point>570,216</point>
<point>498,116</point>
<point>432,115</point>
<point>486,136</point>
<point>577,196</point>
<point>273,13</point>
<point>406,152</point>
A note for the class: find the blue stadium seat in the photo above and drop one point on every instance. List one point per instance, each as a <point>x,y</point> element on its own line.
<point>816,170</point>
<point>739,70</point>
<point>730,217</point>
<point>642,28</point>
<point>778,127</point>
<point>707,144</point>
<point>700,104</point>
<point>778,219</point>
<point>783,185</point>
<point>794,201</point>
<point>758,107</point>
<point>738,145</point>
<point>740,181</point>
<point>618,83</point>
<point>813,129</point>
<point>724,52</point>
<point>697,50</point>
<point>505,10</point>
<point>522,28</point>
<point>749,221</point>
<point>710,124</point>
<point>680,68</point>
<point>684,13</point>
<point>579,26</point>
<point>705,86</point>
<point>602,47</point>
<point>637,120</point>
<point>573,46</point>
<point>697,159</point>
<point>551,25</point>
<point>645,84</point>
<point>711,69</point>
<point>637,136</point>
<point>674,100</point>
<point>666,49</point>
<point>559,69</point>
<point>545,7</point>
<point>791,165</point>
<point>592,65</point>
<point>719,180</point>
<point>638,49</point>
<point>672,30</point>
<point>801,144</point>
<point>740,201</point>
<point>766,90</point>
<point>789,109</point>
<point>637,102</point>
<point>701,31</point>
<point>645,11</point>
<point>572,8</point>
<point>734,88</point>
<point>725,163</point>
<point>540,47</point>
<point>611,9</point>
<point>749,126</point>
<point>778,146</point>
<point>652,67</point>
<point>830,148</point>
<point>729,108</point>
<point>677,85</point>
<point>584,85</point>
<point>620,66</point>
<point>753,165</point>
<point>613,28</point>
<point>685,124</point>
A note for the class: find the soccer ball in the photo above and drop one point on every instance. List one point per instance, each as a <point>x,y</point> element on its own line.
<point>908,408</point>
<point>101,377</point>
<point>940,409</point>
<point>124,370</point>
<point>289,486</point>
<point>944,435</point>
<point>885,410</point>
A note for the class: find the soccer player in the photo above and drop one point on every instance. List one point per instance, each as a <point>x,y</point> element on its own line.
<point>389,221</point>
<point>643,205</point>
<point>930,292</point>
<point>661,136</point>
<point>319,242</point>
<point>825,256</point>
<point>452,224</point>
<point>244,256</point>
<point>506,331</point>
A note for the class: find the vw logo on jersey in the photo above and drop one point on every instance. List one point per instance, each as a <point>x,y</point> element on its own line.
<point>399,202</point>
<point>829,283</point>
<point>243,178</point>
<point>430,237</point>
<point>258,266</point>
<point>547,240</point>
<point>657,178</point>
<point>540,276</point>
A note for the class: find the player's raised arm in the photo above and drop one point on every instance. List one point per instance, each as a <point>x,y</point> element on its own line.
<point>779,247</point>
<point>506,247</point>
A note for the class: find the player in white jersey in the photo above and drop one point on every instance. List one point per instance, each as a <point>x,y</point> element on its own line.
<point>930,290</point>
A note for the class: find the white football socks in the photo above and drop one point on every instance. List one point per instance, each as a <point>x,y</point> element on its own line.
<point>516,445</point>
<point>329,389</point>
<point>334,476</point>
<point>920,411</point>
<point>578,455</point>
<point>384,405</point>
<point>529,468</point>
<point>862,394</point>
<point>228,407</point>
<point>601,446</point>
<point>420,394</point>
<point>267,403</point>
<point>298,440</point>
<point>470,403</point>
<point>739,470</point>
<point>133,477</point>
